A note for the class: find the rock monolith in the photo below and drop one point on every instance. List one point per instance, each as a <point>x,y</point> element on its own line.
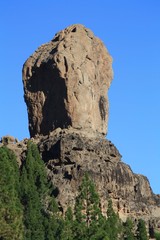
<point>66,83</point>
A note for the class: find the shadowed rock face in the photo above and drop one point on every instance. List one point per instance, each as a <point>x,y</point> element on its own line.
<point>66,83</point>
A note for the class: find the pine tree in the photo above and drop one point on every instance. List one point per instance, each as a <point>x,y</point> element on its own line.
<point>113,224</point>
<point>36,197</point>
<point>11,213</point>
<point>89,222</point>
<point>128,230</point>
<point>141,230</point>
<point>157,235</point>
<point>68,226</point>
<point>53,223</point>
<point>31,195</point>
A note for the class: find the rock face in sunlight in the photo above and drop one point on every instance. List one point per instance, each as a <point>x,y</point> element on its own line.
<point>65,89</point>
<point>69,155</point>
<point>66,83</point>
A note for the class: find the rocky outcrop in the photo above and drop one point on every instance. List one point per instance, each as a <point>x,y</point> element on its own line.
<point>65,86</point>
<point>69,155</point>
<point>66,83</point>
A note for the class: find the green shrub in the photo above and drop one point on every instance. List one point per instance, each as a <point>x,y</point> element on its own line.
<point>157,235</point>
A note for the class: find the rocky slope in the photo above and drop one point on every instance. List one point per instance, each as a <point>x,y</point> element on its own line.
<point>69,154</point>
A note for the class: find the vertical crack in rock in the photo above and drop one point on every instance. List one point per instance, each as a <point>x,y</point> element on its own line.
<point>66,64</point>
<point>102,107</point>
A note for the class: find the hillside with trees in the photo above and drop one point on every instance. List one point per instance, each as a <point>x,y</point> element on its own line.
<point>28,208</point>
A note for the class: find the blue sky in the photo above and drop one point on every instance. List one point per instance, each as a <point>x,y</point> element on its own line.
<point>131,32</point>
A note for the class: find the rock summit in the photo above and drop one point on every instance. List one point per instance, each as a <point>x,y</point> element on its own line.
<point>66,82</point>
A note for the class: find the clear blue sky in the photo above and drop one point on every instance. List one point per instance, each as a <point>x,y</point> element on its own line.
<point>131,32</point>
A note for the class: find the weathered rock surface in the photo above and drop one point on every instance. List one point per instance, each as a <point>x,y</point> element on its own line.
<point>69,155</point>
<point>65,89</point>
<point>66,83</point>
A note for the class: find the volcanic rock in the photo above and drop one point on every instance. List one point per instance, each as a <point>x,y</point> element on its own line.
<point>66,83</point>
<point>68,156</point>
<point>65,89</point>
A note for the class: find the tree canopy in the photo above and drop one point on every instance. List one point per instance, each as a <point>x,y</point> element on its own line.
<point>11,213</point>
<point>28,209</point>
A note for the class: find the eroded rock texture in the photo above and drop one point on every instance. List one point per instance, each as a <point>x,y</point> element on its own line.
<point>69,155</point>
<point>66,83</point>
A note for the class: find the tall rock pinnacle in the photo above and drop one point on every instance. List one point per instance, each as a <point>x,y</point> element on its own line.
<point>66,83</point>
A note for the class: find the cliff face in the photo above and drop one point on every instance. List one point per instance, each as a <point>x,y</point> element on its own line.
<point>66,83</point>
<point>68,155</point>
<point>65,86</point>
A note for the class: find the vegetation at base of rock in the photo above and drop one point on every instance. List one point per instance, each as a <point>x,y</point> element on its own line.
<point>11,213</point>
<point>68,226</point>
<point>87,221</point>
<point>141,230</point>
<point>28,209</point>
<point>36,196</point>
<point>128,229</point>
<point>114,223</point>
<point>157,235</point>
